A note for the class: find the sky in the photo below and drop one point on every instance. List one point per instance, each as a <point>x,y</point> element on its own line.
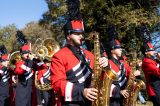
<point>21,12</point>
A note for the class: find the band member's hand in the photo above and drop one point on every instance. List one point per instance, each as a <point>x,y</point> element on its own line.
<point>124,93</point>
<point>103,62</point>
<point>15,79</point>
<point>140,63</point>
<point>137,73</point>
<point>158,55</point>
<point>90,93</point>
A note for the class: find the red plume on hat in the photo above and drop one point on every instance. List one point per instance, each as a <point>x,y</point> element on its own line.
<point>113,41</point>
<point>146,37</point>
<point>5,57</point>
<point>74,19</point>
<point>25,46</point>
<point>3,53</point>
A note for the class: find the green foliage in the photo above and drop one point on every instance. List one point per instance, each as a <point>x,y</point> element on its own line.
<point>98,14</point>
<point>7,36</point>
<point>33,31</point>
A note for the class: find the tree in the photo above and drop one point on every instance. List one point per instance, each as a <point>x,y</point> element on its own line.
<point>33,31</point>
<point>7,36</point>
<point>156,37</point>
<point>54,18</point>
<point>98,14</point>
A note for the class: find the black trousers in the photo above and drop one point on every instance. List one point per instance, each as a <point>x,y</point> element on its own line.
<point>155,100</point>
<point>4,101</point>
<point>4,94</point>
<point>46,95</point>
<point>23,93</point>
<point>116,101</point>
<point>38,95</point>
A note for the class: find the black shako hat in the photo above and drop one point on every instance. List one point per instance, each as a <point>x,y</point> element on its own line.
<point>25,45</point>
<point>113,41</point>
<point>3,53</point>
<point>114,44</point>
<point>146,47</point>
<point>74,22</point>
<point>146,37</point>
<point>73,27</point>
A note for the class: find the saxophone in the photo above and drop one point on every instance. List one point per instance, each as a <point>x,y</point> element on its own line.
<point>101,83</point>
<point>133,87</point>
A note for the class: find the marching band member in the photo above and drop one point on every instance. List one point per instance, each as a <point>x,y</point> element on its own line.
<point>71,67</point>
<point>68,72</point>
<point>24,70</point>
<point>151,71</point>
<point>4,78</point>
<point>122,69</point>
<point>117,62</point>
<point>43,78</point>
<point>44,73</point>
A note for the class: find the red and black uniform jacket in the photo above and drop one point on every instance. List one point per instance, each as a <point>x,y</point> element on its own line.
<point>69,75</point>
<point>24,69</point>
<point>44,74</point>
<point>4,74</point>
<point>152,74</point>
<point>123,70</point>
<point>4,81</point>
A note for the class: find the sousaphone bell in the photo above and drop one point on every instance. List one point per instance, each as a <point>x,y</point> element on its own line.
<point>52,46</point>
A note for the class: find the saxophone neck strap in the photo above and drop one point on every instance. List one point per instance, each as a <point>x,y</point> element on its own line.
<point>79,56</point>
<point>119,64</point>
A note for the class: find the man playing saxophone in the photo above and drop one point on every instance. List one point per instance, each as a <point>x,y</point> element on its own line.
<point>70,77</point>
<point>123,70</point>
<point>121,67</point>
<point>71,66</point>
